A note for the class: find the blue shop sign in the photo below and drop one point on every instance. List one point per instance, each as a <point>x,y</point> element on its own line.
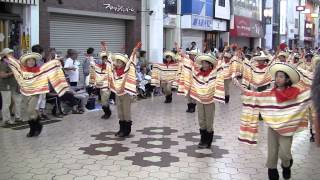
<point>197,7</point>
<point>200,22</point>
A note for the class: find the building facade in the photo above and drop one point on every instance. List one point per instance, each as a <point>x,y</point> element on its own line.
<point>246,28</point>
<point>205,22</point>
<point>19,24</point>
<point>80,24</point>
<point>290,26</point>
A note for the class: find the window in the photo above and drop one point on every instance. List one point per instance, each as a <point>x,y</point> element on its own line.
<point>222,3</point>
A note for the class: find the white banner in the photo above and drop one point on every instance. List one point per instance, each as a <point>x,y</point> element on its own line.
<point>283,17</point>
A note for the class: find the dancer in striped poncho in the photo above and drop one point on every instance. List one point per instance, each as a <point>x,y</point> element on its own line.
<point>165,75</point>
<point>283,109</point>
<point>100,76</point>
<point>227,73</point>
<point>206,85</point>
<point>186,64</point>
<point>34,80</point>
<point>123,84</point>
<point>256,76</point>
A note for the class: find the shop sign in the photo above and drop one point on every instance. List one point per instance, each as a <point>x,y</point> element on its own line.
<point>197,7</point>
<point>169,20</point>
<point>246,27</point>
<point>118,8</point>
<point>201,22</point>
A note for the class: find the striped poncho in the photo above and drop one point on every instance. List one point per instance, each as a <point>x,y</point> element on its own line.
<point>100,75</point>
<point>254,77</point>
<point>205,90</point>
<point>127,82</point>
<point>236,65</point>
<point>185,76</point>
<point>286,118</point>
<point>33,83</point>
<point>166,73</point>
<point>226,66</point>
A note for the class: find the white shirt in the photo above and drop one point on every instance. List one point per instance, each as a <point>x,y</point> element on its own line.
<point>72,74</point>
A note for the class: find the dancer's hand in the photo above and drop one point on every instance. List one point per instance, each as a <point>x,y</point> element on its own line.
<point>237,83</point>
<point>104,46</point>
<point>138,46</point>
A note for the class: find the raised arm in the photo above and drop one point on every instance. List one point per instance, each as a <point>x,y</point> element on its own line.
<point>104,46</point>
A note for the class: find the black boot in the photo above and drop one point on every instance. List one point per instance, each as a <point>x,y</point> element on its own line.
<point>127,129</point>
<point>121,129</point>
<point>286,171</point>
<point>227,98</point>
<point>32,128</point>
<point>202,144</point>
<point>193,108</point>
<point>168,99</point>
<point>273,174</point>
<point>38,128</point>
<point>189,107</point>
<point>312,135</point>
<point>107,112</point>
<point>209,139</point>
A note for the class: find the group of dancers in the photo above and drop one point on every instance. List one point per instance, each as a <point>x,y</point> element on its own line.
<point>275,89</point>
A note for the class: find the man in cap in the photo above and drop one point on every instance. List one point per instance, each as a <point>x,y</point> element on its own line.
<point>9,90</point>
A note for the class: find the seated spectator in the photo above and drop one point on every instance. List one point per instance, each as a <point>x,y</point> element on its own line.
<point>144,83</point>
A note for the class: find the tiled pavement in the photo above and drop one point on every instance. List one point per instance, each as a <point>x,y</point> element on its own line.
<point>163,146</point>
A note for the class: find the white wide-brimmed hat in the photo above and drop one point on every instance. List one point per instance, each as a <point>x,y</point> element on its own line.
<point>261,56</point>
<point>6,51</point>
<point>31,55</point>
<point>286,68</point>
<point>206,57</point>
<point>104,53</point>
<point>169,53</point>
<point>122,57</point>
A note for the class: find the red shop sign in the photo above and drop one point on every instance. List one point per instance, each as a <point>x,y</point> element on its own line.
<point>246,27</point>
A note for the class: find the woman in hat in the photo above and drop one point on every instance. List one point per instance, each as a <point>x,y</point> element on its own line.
<point>283,109</point>
<point>307,62</point>
<point>206,86</point>
<point>165,75</point>
<point>99,77</point>
<point>9,90</point>
<point>256,76</point>
<point>282,57</point>
<point>123,84</point>
<point>34,80</point>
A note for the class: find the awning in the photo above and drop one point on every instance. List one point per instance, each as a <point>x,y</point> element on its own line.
<point>28,2</point>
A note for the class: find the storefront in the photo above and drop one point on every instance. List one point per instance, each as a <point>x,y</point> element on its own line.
<point>18,30</point>
<point>199,24</point>
<point>171,24</point>
<point>78,24</point>
<point>246,27</point>
<point>246,32</point>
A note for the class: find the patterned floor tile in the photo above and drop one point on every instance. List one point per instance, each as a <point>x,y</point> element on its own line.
<point>163,145</point>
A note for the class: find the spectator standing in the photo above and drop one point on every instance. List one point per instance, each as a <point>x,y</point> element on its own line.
<point>71,67</point>
<point>9,90</point>
<point>86,65</point>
